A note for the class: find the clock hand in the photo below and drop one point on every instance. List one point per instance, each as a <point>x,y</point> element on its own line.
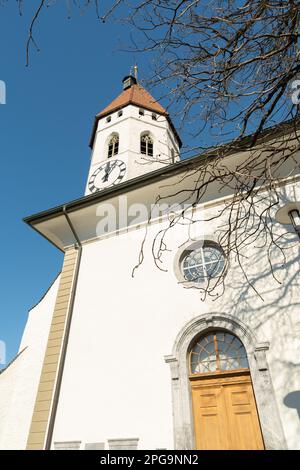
<point>108,170</point>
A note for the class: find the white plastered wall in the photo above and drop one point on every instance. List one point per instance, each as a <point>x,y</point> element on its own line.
<point>19,382</point>
<point>116,383</point>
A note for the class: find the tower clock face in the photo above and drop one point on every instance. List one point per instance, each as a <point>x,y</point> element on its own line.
<point>109,173</point>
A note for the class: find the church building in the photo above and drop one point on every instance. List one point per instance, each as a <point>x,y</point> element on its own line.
<point>126,350</point>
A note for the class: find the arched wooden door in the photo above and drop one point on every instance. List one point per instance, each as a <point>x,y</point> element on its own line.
<point>224,408</point>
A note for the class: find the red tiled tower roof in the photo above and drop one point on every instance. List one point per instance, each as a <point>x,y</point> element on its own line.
<point>134,95</point>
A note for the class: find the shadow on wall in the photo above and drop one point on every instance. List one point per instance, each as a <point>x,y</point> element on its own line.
<point>292,400</point>
<point>272,294</point>
<point>274,315</point>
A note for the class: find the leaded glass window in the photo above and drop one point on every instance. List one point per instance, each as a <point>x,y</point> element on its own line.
<point>113,146</point>
<point>204,262</point>
<point>216,352</point>
<point>147,145</point>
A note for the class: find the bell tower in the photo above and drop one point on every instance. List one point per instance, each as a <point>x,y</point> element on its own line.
<point>132,136</point>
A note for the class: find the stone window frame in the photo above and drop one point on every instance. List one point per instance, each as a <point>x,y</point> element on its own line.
<point>129,443</point>
<point>67,445</point>
<point>183,421</point>
<point>94,446</point>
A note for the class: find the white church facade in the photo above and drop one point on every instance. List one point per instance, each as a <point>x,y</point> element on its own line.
<point>114,357</point>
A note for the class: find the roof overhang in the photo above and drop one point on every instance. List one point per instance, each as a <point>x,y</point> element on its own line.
<point>84,212</point>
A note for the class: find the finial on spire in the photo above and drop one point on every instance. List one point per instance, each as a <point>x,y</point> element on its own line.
<point>134,73</point>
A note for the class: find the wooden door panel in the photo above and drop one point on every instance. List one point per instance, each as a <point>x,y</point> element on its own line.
<point>225,415</point>
<point>208,405</point>
<point>242,416</point>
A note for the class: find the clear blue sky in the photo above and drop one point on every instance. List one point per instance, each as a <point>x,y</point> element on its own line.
<point>45,128</point>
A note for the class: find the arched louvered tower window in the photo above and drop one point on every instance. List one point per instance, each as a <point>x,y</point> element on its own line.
<point>147,145</point>
<point>113,146</point>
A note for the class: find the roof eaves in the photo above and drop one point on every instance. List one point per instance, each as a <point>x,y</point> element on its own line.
<point>160,174</point>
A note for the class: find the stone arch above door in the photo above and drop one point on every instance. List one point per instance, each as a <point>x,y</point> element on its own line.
<point>264,393</point>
